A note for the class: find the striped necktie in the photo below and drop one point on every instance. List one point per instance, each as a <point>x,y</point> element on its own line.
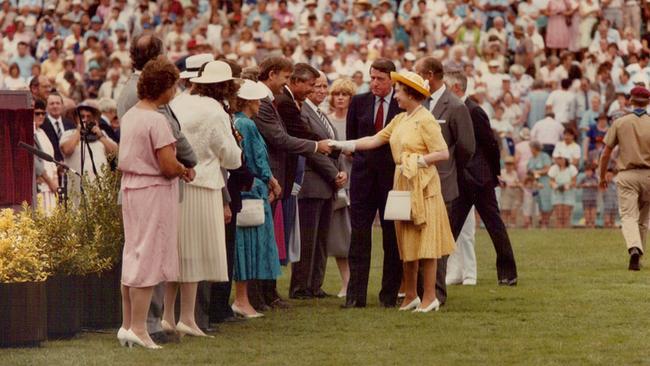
<point>323,118</point>
<point>57,128</point>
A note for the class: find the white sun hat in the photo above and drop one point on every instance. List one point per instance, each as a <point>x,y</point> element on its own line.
<point>214,72</point>
<point>193,65</point>
<point>251,90</point>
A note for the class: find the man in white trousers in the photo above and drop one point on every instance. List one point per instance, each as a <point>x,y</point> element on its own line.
<point>461,265</point>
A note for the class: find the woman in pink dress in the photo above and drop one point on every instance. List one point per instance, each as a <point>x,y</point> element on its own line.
<point>557,31</point>
<point>150,171</point>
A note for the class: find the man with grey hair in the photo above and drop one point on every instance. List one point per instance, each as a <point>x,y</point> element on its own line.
<point>479,178</point>
<point>109,122</point>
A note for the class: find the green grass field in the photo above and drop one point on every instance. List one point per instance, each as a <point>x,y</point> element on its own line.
<point>576,304</point>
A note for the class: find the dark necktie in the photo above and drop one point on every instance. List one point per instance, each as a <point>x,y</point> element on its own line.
<point>379,117</point>
<point>323,118</point>
<point>57,128</point>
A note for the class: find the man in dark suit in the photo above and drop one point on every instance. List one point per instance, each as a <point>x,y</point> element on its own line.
<point>371,180</point>
<point>456,125</point>
<point>274,74</point>
<point>479,179</point>
<point>321,180</point>
<point>54,124</point>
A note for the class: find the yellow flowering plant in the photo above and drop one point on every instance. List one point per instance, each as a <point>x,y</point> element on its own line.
<point>23,257</point>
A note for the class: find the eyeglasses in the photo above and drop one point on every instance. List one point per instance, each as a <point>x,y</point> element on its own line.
<point>39,113</point>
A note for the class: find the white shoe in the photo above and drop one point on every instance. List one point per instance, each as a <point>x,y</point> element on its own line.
<point>434,306</point>
<point>121,336</point>
<point>131,339</point>
<point>469,282</point>
<point>342,294</point>
<point>167,327</point>
<point>453,281</point>
<point>414,304</point>
<point>239,312</point>
<point>184,329</point>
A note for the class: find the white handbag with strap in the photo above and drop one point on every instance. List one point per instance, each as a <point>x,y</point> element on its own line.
<point>398,206</point>
<point>251,214</point>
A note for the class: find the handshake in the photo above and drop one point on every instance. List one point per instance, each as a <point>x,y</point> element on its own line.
<point>347,147</point>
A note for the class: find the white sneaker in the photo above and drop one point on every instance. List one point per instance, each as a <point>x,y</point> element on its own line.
<point>469,282</point>
<point>453,281</point>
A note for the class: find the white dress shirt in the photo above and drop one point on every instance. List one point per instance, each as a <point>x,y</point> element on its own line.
<point>435,97</point>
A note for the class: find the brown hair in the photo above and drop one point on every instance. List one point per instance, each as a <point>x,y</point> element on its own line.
<point>384,65</point>
<point>274,64</point>
<point>158,75</point>
<point>225,91</point>
<point>432,65</point>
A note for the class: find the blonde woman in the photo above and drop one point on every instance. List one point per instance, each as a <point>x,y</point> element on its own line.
<point>338,243</point>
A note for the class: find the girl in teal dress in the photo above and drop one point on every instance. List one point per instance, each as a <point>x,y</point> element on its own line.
<point>256,254</point>
<point>538,165</point>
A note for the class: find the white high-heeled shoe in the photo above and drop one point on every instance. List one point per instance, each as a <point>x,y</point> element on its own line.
<point>121,336</point>
<point>132,338</point>
<point>412,305</point>
<point>239,312</point>
<point>166,326</point>
<point>184,329</point>
<point>434,306</point>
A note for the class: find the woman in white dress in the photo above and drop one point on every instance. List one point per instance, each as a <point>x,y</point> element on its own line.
<point>48,181</point>
<point>202,237</point>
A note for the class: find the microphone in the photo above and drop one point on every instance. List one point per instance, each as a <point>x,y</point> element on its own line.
<point>45,156</point>
<point>37,152</point>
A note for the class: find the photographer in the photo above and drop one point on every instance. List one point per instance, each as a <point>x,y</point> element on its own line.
<point>96,144</point>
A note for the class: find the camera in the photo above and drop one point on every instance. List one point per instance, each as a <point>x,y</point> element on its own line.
<point>87,133</point>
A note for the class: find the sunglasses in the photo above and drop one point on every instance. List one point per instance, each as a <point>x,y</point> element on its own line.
<point>39,113</point>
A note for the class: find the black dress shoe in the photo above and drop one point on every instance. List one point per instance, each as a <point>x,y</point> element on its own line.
<point>301,295</point>
<point>212,328</point>
<point>165,337</point>
<point>635,256</point>
<point>232,319</point>
<point>321,294</point>
<point>280,304</point>
<point>349,304</point>
<point>508,282</point>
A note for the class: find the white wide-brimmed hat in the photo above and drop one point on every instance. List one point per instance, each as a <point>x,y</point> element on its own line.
<point>193,65</point>
<point>251,90</point>
<point>214,72</point>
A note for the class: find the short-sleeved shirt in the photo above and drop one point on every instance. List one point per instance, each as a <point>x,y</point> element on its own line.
<point>632,135</point>
<point>562,176</point>
<point>142,133</point>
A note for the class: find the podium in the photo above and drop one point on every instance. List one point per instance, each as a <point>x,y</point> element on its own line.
<point>16,164</point>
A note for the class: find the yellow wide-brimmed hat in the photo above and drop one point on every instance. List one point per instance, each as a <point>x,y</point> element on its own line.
<point>413,80</point>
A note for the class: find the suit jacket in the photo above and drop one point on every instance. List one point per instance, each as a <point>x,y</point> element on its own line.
<point>129,97</point>
<point>50,131</point>
<point>459,136</point>
<point>320,173</point>
<point>361,123</point>
<point>484,167</point>
<point>280,144</point>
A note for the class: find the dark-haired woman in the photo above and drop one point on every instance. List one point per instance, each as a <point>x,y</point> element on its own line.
<point>150,171</point>
<point>202,237</point>
<point>416,143</point>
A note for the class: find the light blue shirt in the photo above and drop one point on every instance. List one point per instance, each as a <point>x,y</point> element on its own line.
<point>25,65</point>
<point>345,38</point>
<point>265,20</point>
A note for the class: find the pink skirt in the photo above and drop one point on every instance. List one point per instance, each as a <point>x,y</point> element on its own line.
<point>150,253</point>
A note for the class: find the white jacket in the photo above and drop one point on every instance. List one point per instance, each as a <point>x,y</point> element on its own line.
<point>207,127</point>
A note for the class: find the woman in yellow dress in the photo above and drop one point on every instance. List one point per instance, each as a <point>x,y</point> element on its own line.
<point>416,143</point>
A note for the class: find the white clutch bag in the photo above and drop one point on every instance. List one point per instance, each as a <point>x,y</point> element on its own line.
<point>251,214</point>
<point>341,200</point>
<point>398,206</point>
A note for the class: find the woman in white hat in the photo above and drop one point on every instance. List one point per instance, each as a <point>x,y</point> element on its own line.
<point>256,253</point>
<point>417,144</point>
<point>202,237</point>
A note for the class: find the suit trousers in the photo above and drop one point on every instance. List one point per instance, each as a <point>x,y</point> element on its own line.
<point>633,188</point>
<point>220,295</point>
<point>362,214</point>
<point>484,198</point>
<point>461,264</point>
<point>307,275</point>
<point>441,265</point>
<point>156,309</point>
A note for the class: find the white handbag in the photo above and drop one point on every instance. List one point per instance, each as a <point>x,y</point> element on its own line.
<point>341,199</point>
<point>398,206</point>
<point>251,214</point>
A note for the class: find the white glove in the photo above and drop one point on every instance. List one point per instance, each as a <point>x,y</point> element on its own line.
<point>422,163</point>
<point>295,189</point>
<point>345,146</point>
